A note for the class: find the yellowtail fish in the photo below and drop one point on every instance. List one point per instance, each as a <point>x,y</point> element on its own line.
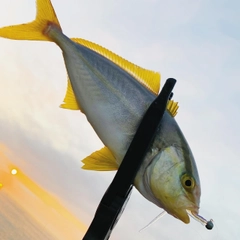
<point>114,94</point>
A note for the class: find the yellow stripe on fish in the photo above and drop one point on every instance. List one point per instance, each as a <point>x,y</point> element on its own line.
<point>70,102</point>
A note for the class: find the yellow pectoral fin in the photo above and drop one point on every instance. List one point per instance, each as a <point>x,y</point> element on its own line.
<point>172,107</point>
<point>70,101</point>
<point>101,160</point>
<point>148,78</point>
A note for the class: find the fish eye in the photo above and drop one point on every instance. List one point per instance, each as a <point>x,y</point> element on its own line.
<point>187,182</point>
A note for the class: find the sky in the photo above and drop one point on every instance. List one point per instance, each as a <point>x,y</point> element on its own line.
<point>196,42</point>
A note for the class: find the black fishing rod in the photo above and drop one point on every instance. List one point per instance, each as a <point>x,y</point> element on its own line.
<point>117,195</point>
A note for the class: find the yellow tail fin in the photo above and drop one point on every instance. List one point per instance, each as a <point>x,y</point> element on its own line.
<point>34,30</point>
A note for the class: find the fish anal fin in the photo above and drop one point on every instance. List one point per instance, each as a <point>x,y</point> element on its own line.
<point>148,78</point>
<point>101,160</point>
<point>172,107</point>
<point>70,101</point>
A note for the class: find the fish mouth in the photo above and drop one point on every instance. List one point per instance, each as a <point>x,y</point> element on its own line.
<point>182,215</point>
<point>182,208</point>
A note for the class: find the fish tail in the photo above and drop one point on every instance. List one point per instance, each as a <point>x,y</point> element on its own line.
<point>36,30</point>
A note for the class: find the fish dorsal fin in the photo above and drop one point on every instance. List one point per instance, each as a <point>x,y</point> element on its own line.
<point>172,107</point>
<point>148,78</point>
<point>70,101</point>
<point>101,160</point>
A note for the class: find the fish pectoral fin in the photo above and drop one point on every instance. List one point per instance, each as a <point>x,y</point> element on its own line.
<point>70,101</point>
<point>101,160</point>
<point>172,107</point>
<point>150,79</point>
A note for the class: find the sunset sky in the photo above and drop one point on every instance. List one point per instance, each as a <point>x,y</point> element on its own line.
<point>196,42</point>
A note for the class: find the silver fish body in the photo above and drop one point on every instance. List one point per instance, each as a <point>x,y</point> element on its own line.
<point>114,103</point>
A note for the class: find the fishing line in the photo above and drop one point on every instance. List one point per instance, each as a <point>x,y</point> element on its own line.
<point>154,220</point>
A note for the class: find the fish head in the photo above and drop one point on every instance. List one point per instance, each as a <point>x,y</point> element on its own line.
<point>174,185</point>
<point>171,182</point>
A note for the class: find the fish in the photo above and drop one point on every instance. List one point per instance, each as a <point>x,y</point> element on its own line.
<point>114,94</point>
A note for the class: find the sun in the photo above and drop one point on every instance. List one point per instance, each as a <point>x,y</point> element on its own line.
<point>14,171</point>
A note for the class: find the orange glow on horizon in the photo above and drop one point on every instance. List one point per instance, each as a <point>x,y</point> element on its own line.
<point>43,206</point>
